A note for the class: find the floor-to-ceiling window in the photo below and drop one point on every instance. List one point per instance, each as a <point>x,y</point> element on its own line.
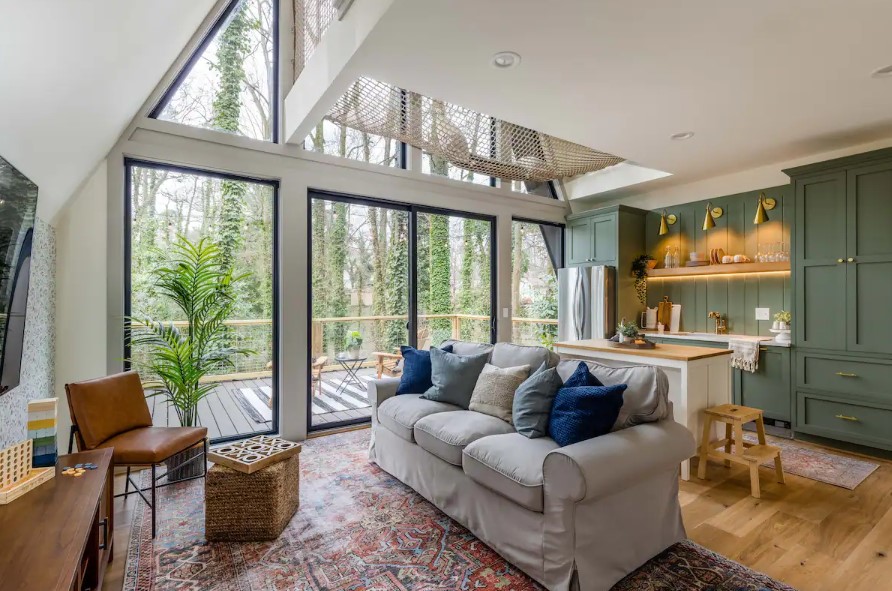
<point>536,254</point>
<point>385,275</point>
<point>195,236</point>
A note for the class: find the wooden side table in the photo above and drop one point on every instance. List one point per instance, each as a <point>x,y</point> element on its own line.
<point>734,417</point>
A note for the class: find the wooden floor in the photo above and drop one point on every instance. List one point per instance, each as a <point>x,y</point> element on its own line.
<point>811,535</point>
<point>241,407</point>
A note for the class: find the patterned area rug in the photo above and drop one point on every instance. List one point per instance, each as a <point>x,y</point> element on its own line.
<point>808,462</point>
<point>360,529</point>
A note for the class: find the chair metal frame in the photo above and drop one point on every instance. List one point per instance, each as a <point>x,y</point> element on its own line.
<point>155,477</point>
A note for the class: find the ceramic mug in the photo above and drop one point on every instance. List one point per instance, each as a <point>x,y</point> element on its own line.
<point>727,259</point>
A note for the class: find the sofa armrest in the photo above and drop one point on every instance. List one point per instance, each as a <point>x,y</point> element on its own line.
<point>380,390</point>
<point>613,462</point>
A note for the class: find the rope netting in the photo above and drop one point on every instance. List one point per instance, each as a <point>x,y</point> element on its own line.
<point>311,19</point>
<point>466,138</point>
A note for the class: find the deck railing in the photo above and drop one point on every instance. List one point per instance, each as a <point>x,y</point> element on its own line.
<point>256,335</point>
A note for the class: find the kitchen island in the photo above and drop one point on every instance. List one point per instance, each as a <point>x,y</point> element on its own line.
<point>699,377</point>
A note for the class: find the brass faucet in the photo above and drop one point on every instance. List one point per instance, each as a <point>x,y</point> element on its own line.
<point>720,326</point>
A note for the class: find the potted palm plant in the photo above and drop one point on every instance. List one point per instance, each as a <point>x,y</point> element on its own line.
<point>176,362</point>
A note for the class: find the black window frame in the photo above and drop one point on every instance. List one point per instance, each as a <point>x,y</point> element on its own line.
<point>412,324</point>
<point>184,72</point>
<point>129,163</point>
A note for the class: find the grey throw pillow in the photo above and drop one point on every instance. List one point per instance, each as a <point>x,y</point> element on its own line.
<point>533,400</point>
<point>494,392</point>
<point>454,376</point>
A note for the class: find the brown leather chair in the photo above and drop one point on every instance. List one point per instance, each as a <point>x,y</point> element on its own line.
<point>112,412</point>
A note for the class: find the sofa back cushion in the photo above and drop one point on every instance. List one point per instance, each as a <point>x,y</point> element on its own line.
<point>511,355</point>
<point>646,399</point>
<point>469,348</point>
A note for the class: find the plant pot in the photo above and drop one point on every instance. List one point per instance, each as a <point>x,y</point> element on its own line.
<point>622,337</point>
<point>189,470</point>
<point>651,264</point>
<point>353,352</point>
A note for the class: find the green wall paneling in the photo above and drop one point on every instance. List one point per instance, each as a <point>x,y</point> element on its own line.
<point>736,297</point>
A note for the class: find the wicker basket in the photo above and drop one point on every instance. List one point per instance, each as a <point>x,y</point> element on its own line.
<point>251,507</point>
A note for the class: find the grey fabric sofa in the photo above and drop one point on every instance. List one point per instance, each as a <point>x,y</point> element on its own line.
<point>576,517</point>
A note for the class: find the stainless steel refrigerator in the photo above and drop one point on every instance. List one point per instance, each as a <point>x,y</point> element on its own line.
<point>586,303</point>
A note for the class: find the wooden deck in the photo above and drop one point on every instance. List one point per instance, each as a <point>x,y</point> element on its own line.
<point>241,408</point>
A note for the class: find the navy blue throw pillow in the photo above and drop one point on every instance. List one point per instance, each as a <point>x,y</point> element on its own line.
<point>582,377</point>
<point>584,412</point>
<point>416,376</point>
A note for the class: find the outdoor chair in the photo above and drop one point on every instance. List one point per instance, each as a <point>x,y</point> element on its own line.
<point>112,412</point>
<point>316,372</point>
<point>389,364</point>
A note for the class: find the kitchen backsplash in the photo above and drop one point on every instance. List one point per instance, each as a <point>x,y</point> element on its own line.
<point>735,296</point>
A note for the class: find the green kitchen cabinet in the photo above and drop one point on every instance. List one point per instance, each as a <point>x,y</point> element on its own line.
<point>869,259</point>
<point>843,254</point>
<point>611,236</point>
<point>820,244</point>
<point>592,240</point>
<point>580,244</point>
<point>768,388</point>
<point>842,277</point>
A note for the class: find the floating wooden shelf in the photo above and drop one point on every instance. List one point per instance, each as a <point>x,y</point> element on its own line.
<point>725,269</point>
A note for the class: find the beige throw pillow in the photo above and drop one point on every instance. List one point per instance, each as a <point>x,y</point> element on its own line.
<point>494,392</point>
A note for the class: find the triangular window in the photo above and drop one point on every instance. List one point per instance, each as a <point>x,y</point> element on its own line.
<point>230,83</point>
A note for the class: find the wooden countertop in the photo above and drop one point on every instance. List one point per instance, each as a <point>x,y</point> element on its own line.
<point>44,532</point>
<point>674,352</point>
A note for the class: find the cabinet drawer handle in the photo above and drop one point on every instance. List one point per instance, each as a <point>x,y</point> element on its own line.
<point>104,525</point>
<point>843,374</point>
<point>840,260</point>
<point>850,259</point>
<point>763,348</point>
<point>847,418</point>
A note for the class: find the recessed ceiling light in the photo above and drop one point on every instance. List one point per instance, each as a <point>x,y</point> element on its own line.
<point>684,135</point>
<point>885,72</point>
<point>505,59</point>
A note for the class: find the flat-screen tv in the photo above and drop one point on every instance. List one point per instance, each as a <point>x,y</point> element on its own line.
<point>18,202</point>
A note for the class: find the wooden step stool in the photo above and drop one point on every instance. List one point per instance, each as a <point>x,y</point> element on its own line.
<point>735,417</point>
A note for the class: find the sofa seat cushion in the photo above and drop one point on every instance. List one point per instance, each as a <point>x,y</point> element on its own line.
<point>400,413</point>
<point>510,465</point>
<point>446,434</point>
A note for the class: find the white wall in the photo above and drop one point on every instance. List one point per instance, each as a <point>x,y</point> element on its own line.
<point>81,288</point>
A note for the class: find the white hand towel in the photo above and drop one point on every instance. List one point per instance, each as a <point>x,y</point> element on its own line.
<point>745,353</point>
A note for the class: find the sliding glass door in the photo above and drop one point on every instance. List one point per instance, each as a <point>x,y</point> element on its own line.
<point>385,275</point>
<point>187,230</point>
<point>359,294</point>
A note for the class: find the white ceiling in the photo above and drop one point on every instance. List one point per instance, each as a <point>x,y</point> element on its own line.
<point>758,82</point>
<point>73,73</point>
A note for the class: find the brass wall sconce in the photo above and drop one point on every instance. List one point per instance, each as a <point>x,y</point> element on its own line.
<point>711,214</point>
<point>766,204</point>
<point>666,220</point>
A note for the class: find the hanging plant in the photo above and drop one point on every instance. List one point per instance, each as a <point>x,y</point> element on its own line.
<point>639,271</point>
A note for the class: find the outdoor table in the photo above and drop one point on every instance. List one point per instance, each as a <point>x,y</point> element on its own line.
<point>351,363</point>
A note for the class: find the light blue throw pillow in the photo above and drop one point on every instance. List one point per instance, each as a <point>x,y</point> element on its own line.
<point>454,376</point>
<point>533,400</point>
